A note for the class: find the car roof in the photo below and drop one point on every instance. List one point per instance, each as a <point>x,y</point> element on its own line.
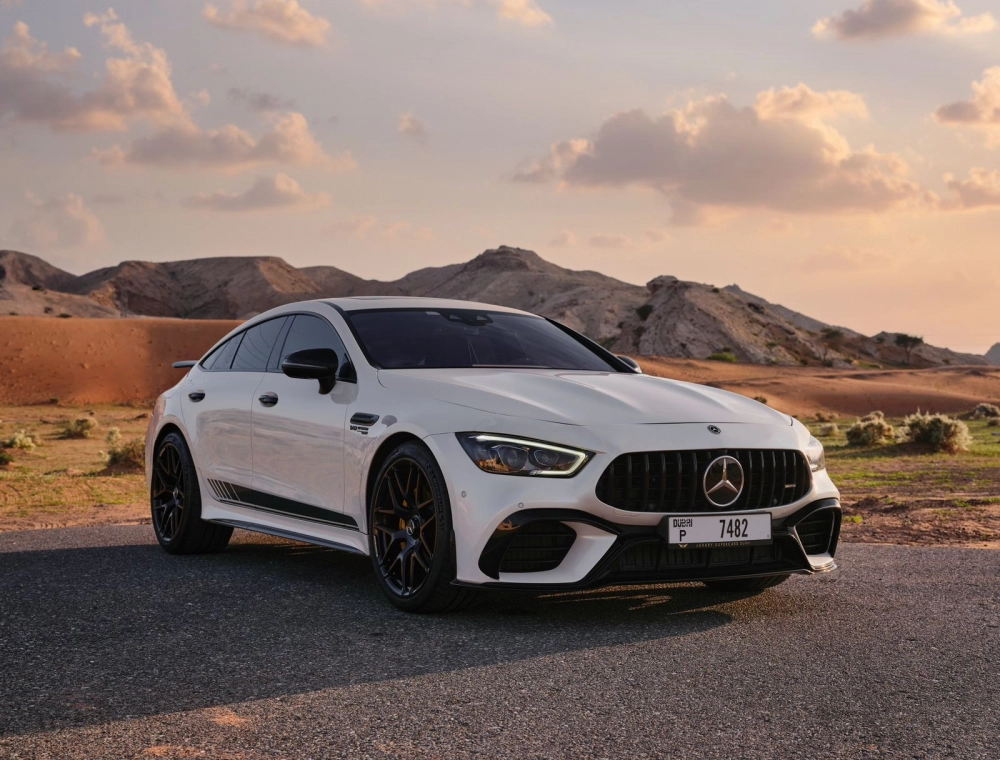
<point>365,303</point>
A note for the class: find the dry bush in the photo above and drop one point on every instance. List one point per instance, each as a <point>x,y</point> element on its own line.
<point>993,422</point>
<point>761,400</point>
<point>990,411</point>
<point>825,416</point>
<point>5,458</point>
<point>870,430</point>
<point>121,454</point>
<point>938,430</point>
<point>20,440</point>
<point>829,429</point>
<point>83,427</point>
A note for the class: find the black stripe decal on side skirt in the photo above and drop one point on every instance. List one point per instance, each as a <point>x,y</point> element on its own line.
<point>241,496</point>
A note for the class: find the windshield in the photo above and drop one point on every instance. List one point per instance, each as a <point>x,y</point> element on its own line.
<point>464,338</point>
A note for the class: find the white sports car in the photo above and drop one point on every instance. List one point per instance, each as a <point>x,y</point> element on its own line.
<point>464,446</point>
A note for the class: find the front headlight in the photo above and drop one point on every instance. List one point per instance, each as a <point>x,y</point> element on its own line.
<point>505,455</point>
<point>814,453</point>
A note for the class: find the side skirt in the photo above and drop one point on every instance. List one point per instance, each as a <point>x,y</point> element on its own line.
<point>291,535</point>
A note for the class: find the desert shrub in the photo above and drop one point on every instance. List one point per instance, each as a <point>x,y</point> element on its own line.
<point>761,400</point>
<point>990,411</point>
<point>20,440</point>
<point>993,422</point>
<point>725,355</point>
<point>825,416</point>
<point>54,400</point>
<point>870,431</point>
<point>5,458</point>
<point>828,429</point>
<point>114,436</point>
<point>938,430</point>
<point>82,427</point>
<point>125,454</point>
<point>873,417</point>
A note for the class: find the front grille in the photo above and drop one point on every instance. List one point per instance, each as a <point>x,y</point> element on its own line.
<point>537,547</point>
<point>816,531</point>
<point>671,481</point>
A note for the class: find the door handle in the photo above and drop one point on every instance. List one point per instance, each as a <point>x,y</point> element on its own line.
<point>196,395</point>
<point>268,399</point>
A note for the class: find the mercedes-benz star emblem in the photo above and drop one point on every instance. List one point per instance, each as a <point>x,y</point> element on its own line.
<point>714,429</point>
<point>723,481</point>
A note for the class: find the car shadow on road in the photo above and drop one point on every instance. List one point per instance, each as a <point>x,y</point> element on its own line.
<point>93,634</point>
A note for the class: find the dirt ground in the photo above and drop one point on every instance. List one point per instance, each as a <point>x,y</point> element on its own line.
<point>896,494</point>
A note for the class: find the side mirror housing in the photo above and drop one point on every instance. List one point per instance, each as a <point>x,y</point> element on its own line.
<point>313,364</point>
<point>631,363</point>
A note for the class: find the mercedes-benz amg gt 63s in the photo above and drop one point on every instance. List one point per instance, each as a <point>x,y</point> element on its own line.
<point>464,446</point>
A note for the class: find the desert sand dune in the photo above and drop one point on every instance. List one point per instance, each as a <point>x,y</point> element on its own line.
<point>128,361</point>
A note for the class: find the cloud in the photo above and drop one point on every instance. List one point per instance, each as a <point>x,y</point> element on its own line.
<point>366,226</point>
<point>657,236</point>
<point>564,239</point>
<point>877,19</point>
<point>524,12</point>
<point>136,85</point>
<point>981,111</point>
<point>712,156</point>
<point>260,101</point>
<point>63,222</point>
<point>9,3</point>
<point>610,241</point>
<point>413,127</point>
<point>805,104</point>
<point>981,190</point>
<point>289,140</point>
<point>282,21</point>
<point>277,192</point>
<point>848,259</point>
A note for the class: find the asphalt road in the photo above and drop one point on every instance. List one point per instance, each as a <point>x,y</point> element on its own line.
<point>111,648</point>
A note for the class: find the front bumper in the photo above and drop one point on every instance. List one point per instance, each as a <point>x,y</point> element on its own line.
<point>641,554</point>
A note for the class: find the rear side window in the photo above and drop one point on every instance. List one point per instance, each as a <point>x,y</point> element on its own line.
<point>256,347</point>
<point>222,357</point>
<point>314,332</point>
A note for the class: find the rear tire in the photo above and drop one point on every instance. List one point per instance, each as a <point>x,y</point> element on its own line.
<point>747,584</point>
<point>410,535</point>
<point>175,502</point>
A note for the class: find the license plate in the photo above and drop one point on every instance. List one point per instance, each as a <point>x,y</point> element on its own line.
<point>719,530</point>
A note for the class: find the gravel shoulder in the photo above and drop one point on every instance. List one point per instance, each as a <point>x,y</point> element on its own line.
<point>111,648</point>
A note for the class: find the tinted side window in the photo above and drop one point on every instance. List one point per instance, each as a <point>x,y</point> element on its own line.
<point>222,357</point>
<point>314,332</point>
<point>257,344</point>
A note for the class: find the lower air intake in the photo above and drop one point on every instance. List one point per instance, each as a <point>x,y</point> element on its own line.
<point>537,547</point>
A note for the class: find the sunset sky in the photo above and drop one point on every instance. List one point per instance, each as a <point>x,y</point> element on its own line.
<point>841,157</point>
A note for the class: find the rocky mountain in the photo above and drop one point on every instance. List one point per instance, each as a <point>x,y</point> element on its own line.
<point>993,355</point>
<point>668,317</point>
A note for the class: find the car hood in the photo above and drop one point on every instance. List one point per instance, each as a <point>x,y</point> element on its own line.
<point>580,398</point>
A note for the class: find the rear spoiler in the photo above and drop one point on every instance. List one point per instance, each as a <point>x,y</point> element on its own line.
<point>185,364</point>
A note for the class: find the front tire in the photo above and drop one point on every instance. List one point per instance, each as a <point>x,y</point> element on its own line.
<point>175,502</point>
<point>747,584</point>
<point>410,537</point>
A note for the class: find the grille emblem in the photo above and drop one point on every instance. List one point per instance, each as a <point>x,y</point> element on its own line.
<point>723,481</point>
<point>714,429</point>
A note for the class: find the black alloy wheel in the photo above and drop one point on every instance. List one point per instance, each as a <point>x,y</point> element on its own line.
<point>175,502</point>
<point>405,525</point>
<point>411,538</point>
<point>168,491</point>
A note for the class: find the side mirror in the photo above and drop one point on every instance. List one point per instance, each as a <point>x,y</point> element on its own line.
<point>631,363</point>
<point>313,364</point>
